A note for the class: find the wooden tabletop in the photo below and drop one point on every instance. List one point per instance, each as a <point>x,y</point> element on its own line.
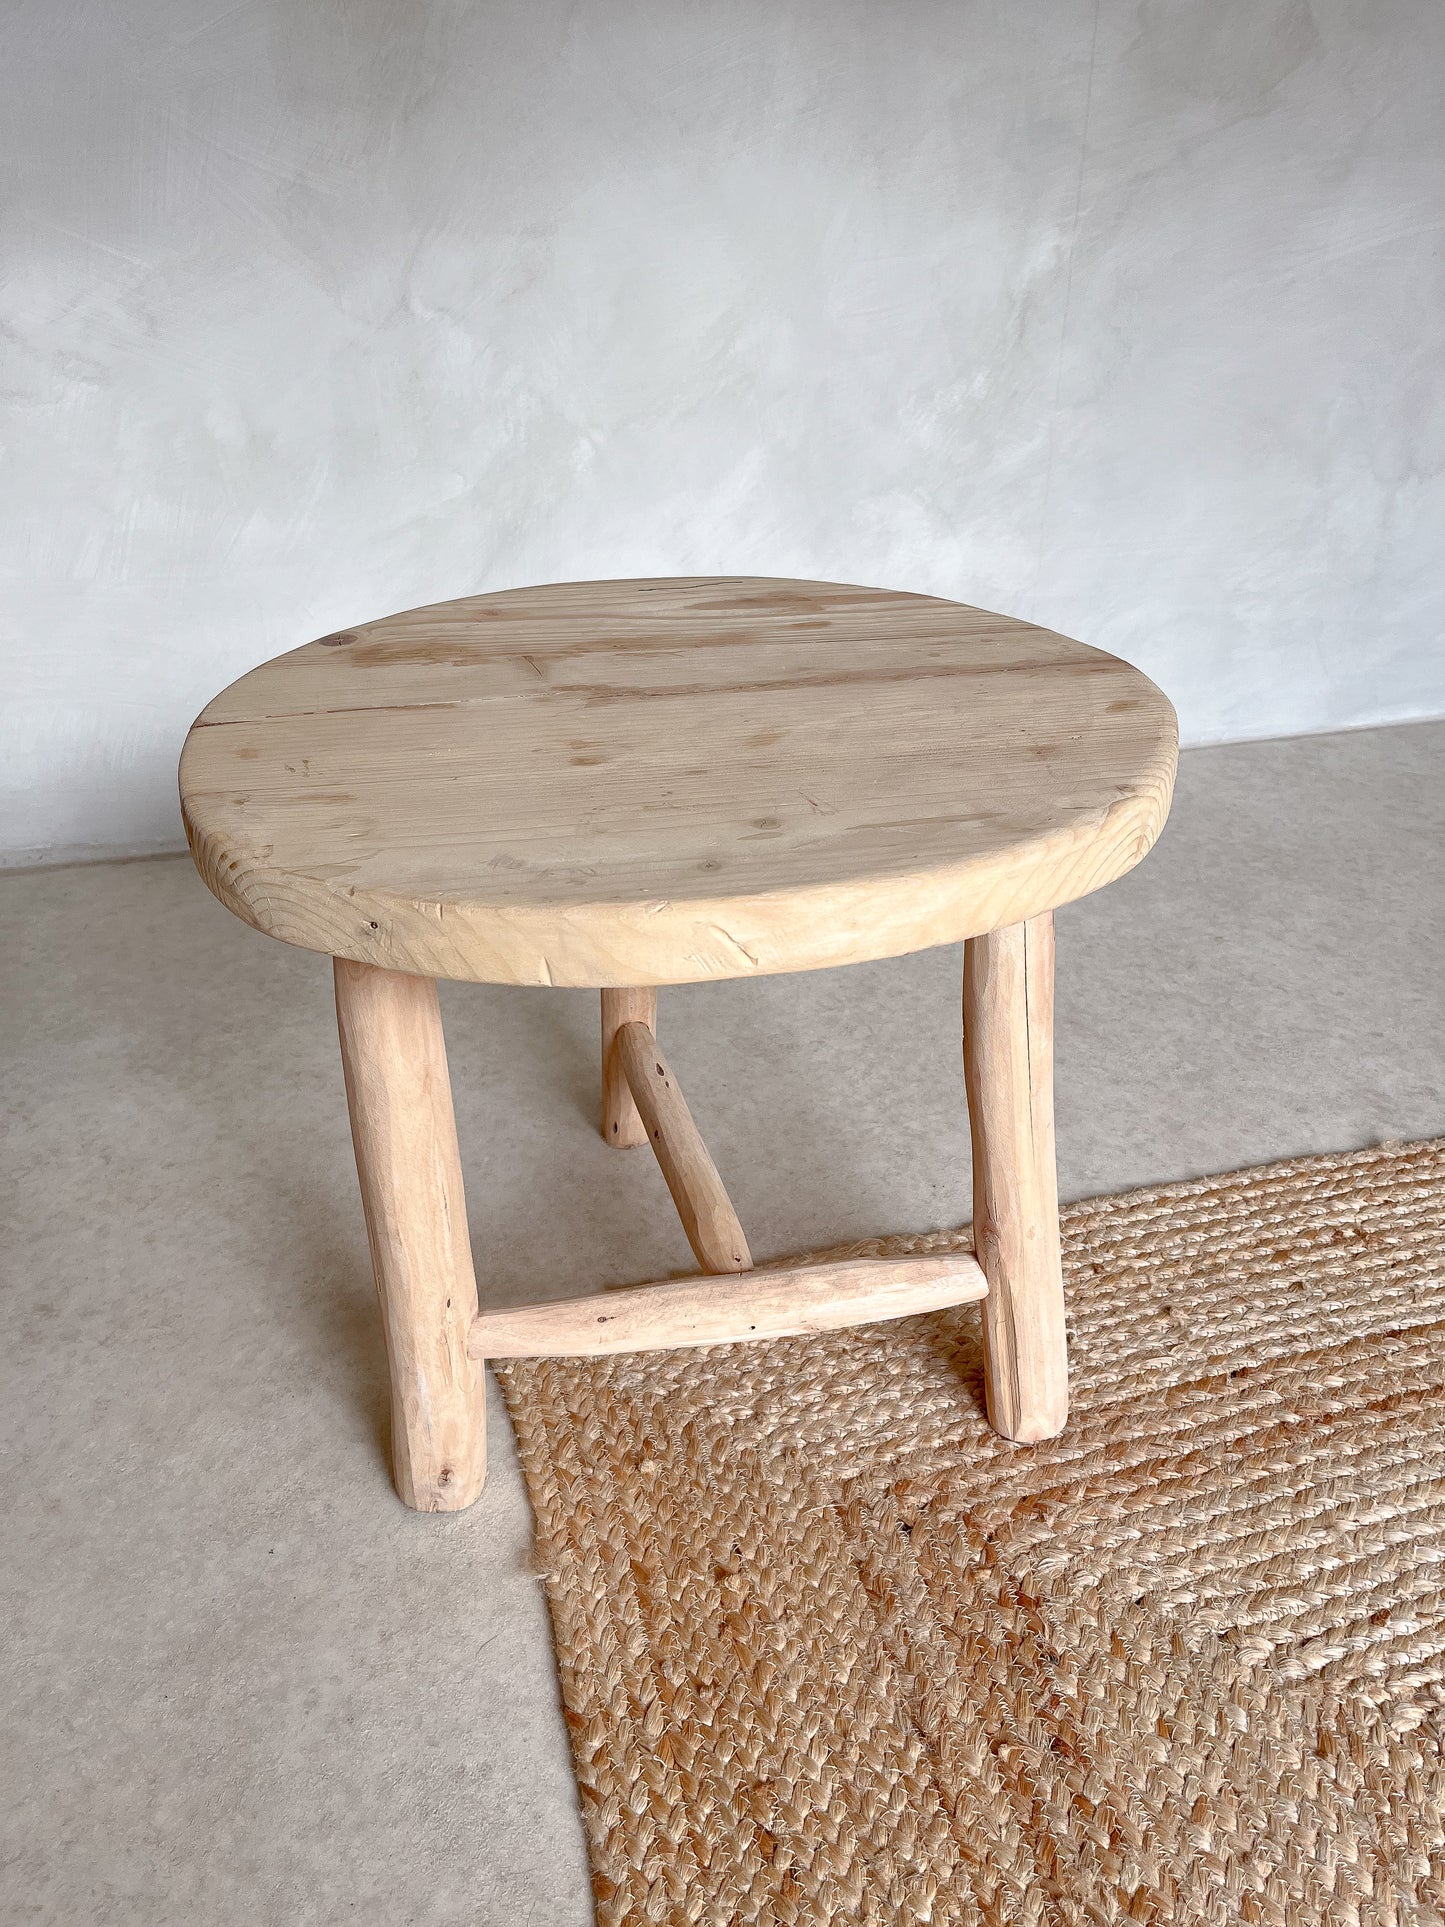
<point>628,783</point>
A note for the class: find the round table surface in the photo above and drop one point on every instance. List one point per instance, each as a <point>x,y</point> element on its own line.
<point>658,782</point>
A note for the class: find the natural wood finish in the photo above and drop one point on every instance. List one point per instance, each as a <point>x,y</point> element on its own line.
<point>764,1304</point>
<point>1008,1042</point>
<point>622,1125</point>
<point>702,1202</point>
<point>416,1219</point>
<point>622,783</point>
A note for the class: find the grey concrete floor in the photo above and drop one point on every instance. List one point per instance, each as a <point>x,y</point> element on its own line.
<point>243,1685</point>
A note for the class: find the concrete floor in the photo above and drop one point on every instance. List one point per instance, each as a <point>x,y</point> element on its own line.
<point>243,1684</point>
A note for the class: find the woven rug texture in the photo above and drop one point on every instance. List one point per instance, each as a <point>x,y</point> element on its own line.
<point>830,1650</point>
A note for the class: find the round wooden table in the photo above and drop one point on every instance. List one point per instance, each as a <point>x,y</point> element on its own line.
<point>630,784</point>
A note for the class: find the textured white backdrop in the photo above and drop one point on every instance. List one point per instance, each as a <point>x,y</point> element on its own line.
<point>1127,316</point>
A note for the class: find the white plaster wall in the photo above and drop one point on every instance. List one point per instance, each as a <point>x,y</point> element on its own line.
<point>1128,317</point>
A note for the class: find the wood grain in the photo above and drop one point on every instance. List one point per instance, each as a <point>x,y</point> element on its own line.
<point>1008,1044</point>
<point>762,1304</point>
<point>698,1192</point>
<point>622,1125</point>
<point>631,783</point>
<point>416,1220</point>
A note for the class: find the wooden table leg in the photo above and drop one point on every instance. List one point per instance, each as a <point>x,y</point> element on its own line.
<point>1008,1038</point>
<point>622,1126</point>
<point>405,1136</point>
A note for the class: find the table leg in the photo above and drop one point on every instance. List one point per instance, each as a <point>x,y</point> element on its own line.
<point>1008,1036</point>
<point>405,1136</point>
<point>622,1125</point>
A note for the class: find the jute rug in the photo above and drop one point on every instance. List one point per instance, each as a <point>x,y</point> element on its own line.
<point>832,1651</point>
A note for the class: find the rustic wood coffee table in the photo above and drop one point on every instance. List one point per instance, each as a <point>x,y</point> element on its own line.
<point>629,784</point>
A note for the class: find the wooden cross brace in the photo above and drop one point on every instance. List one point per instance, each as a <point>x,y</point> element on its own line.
<point>642,1103</point>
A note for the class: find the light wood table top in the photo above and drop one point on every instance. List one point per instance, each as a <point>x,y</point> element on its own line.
<point>658,782</point>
